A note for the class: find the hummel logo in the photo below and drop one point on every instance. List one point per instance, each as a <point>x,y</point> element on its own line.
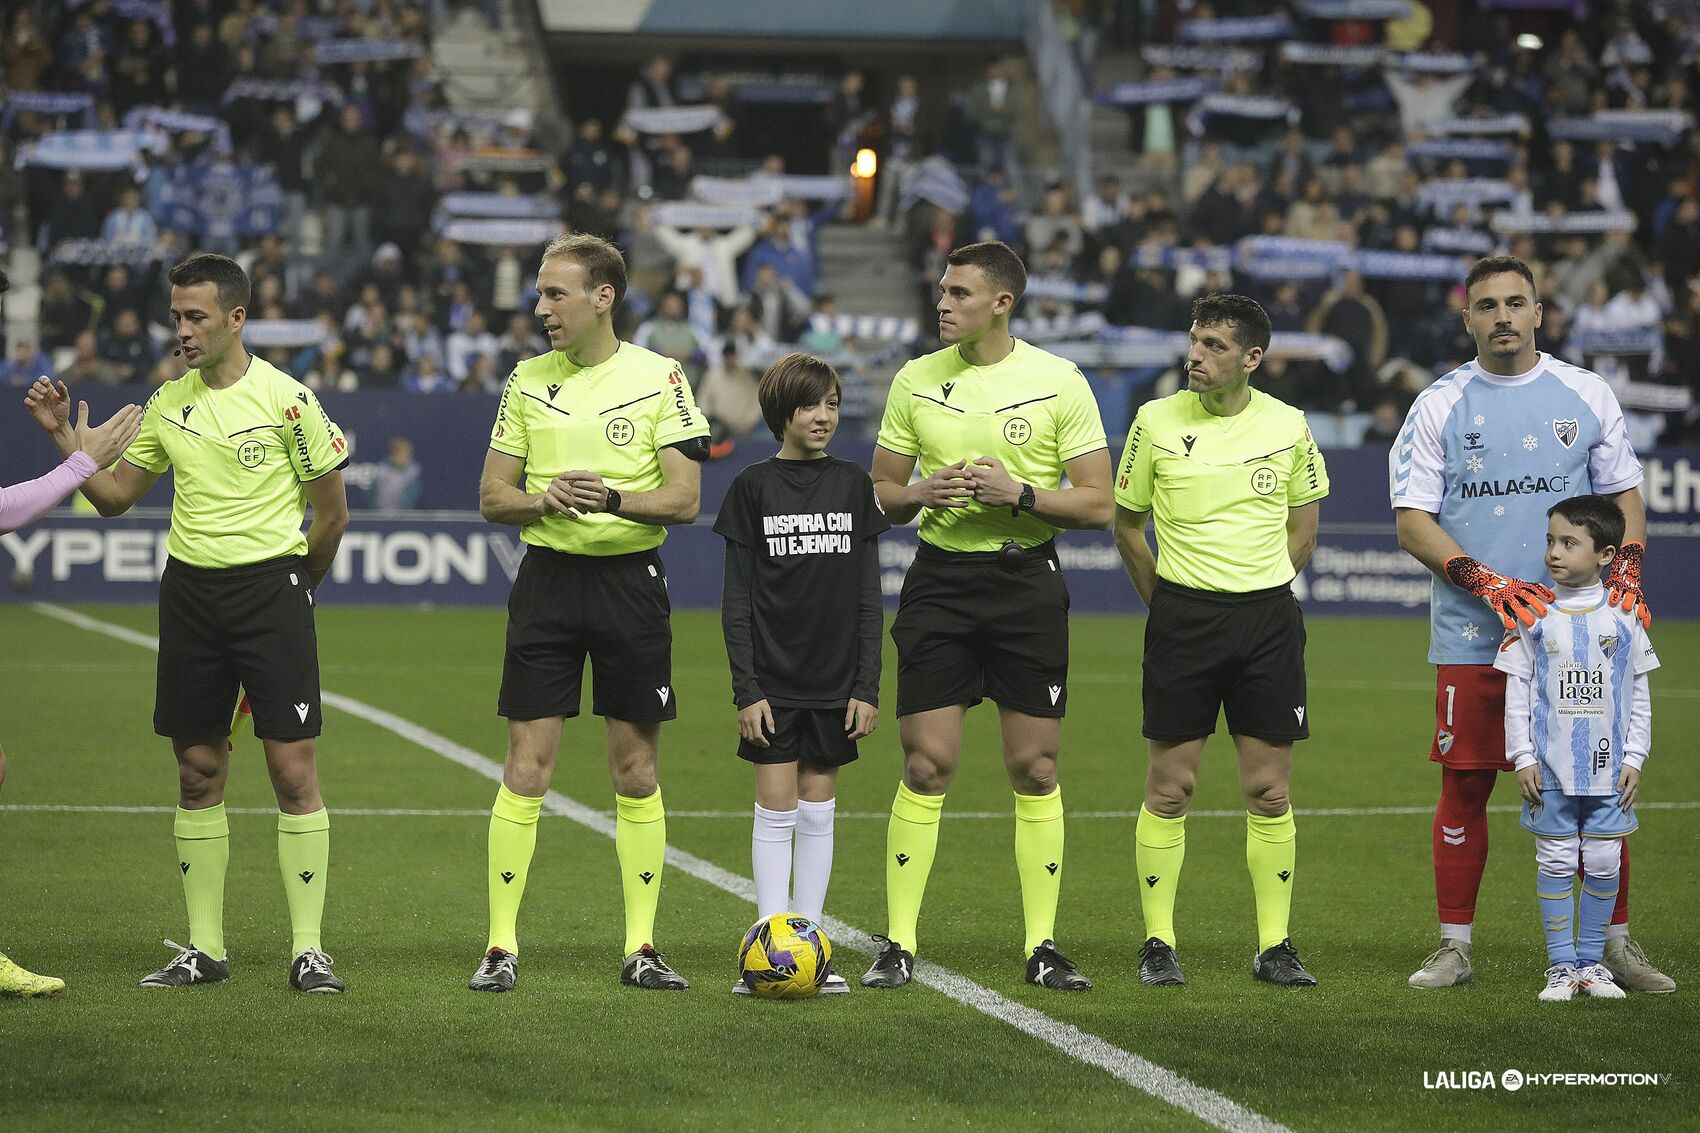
<point>301,711</point>
<point>507,877</point>
<point>1056,691</point>
<point>1284,874</point>
<point>1189,442</point>
<point>664,692</point>
<point>1300,713</point>
<point>1452,835</point>
<point>1051,868</point>
<point>553,390</point>
<point>306,876</point>
<point>1152,880</point>
<point>187,409</point>
<point>947,387</point>
<point>185,866</point>
<point>902,860</point>
<point>647,876</point>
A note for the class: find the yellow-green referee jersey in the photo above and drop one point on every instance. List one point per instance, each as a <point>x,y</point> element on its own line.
<point>613,419</point>
<point>1033,411</point>
<point>240,455</point>
<point>1220,488</point>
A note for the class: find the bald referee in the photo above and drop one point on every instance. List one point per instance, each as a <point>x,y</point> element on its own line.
<point>1234,480</point>
<point>994,425</point>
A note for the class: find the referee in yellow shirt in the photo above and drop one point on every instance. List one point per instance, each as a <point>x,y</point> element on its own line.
<point>994,425</point>
<point>596,449</point>
<point>250,449</point>
<point>1234,480</point>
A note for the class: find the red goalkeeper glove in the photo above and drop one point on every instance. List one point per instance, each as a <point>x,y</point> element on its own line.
<point>1511,598</point>
<point>1623,583</point>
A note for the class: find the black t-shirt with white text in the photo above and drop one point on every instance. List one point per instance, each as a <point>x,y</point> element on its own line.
<point>801,607</point>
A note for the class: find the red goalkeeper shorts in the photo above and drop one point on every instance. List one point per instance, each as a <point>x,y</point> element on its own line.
<point>1469,718</point>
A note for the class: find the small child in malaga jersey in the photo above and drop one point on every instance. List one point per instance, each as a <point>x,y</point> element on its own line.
<point>802,617</point>
<point>1578,725</point>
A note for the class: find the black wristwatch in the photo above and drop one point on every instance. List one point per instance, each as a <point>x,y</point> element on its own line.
<point>1026,502</point>
<point>612,504</point>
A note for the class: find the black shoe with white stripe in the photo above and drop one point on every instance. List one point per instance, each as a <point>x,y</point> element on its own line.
<point>498,971</point>
<point>646,969</point>
<point>311,972</point>
<point>191,966</point>
<point>1158,965</point>
<point>1049,968</point>
<point>1279,964</point>
<point>893,967</point>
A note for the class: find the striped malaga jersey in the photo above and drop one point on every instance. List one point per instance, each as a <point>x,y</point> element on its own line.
<point>1487,456</point>
<point>1581,661</point>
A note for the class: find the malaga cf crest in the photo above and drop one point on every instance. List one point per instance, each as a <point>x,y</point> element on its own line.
<point>1566,431</point>
<point>1443,741</point>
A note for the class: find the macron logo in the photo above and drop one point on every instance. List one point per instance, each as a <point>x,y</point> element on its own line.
<point>664,692</point>
<point>301,711</point>
<point>1056,691</point>
<point>1300,713</point>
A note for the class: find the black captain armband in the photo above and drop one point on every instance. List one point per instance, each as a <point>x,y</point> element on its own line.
<point>695,447</point>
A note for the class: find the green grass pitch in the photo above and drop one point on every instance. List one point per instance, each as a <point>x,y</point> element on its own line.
<point>88,895</point>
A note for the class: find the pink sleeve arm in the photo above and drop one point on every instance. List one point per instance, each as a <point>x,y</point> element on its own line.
<point>29,501</point>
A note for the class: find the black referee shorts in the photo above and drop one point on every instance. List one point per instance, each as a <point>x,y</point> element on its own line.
<point>971,626</point>
<point>614,609</point>
<point>248,626</point>
<point>1206,650</point>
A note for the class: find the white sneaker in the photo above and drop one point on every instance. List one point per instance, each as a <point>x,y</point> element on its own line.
<point>1447,966</point>
<point>1595,980</point>
<point>1561,984</point>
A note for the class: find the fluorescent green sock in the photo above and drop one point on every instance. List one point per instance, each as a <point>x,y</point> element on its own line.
<point>1038,862</point>
<point>513,839</point>
<point>203,856</point>
<point>1159,850</point>
<point>1271,847</point>
<point>640,841</point>
<point>304,856</point>
<point>911,840</point>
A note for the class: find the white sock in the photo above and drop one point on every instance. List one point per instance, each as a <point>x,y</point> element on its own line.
<point>814,856</point>
<point>770,857</point>
<point>1458,932</point>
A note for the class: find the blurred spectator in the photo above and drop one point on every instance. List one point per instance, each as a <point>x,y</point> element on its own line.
<point>591,160</point>
<point>991,111</point>
<point>129,223</point>
<point>1387,419</point>
<point>777,304</point>
<point>25,51</point>
<point>347,174</point>
<point>788,261</point>
<point>819,336</point>
<point>472,341</point>
<point>87,366</point>
<point>398,482</point>
<point>73,215</point>
<point>670,333</point>
<point>1056,224</point>
<point>24,363</point>
<point>1350,313</point>
<point>127,346</point>
<point>900,146</point>
<point>382,369</point>
<point>65,312</point>
<point>727,394</point>
<point>713,253</point>
<point>993,209</point>
<point>408,197</point>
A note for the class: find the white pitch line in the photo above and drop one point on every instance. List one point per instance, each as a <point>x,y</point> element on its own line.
<point>1161,1083</point>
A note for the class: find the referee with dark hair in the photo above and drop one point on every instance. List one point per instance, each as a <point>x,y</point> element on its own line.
<point>250,449</point>
<point>995,425</point>
<point>1234,480</point>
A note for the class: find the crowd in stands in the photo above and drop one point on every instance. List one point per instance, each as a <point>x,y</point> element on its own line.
<point>1341,160</point>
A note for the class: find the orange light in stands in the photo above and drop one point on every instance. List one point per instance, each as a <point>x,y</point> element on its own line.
<point>867,163</point>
